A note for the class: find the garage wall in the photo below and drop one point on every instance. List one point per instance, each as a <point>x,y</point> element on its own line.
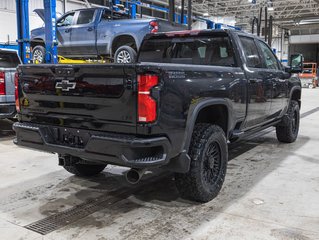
<point>8,20</point>
<point>304,39</point>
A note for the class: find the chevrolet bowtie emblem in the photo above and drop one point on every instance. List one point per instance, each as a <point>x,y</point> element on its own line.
<point>65,85</point>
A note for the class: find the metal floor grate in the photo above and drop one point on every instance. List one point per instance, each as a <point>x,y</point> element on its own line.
<point>62,219</point>
<point>59,220</point>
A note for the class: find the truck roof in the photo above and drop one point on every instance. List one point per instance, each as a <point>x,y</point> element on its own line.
<point>200,32</point>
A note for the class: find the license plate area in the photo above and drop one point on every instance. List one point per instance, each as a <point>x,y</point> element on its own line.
<point>70,137</point>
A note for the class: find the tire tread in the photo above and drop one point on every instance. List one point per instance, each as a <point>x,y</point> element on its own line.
<point>284,131</point>
<point>189,184</point>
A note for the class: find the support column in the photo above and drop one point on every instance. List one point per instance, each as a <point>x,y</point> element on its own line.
<point>22,10</point>
<point>189,15</point>
<point>133,9</point>
<point>171,11</point>
<point>182,11</point>
<point>266,24</point>
<point>51,55</point>
<point>270,30</point>
<point>64,6</point>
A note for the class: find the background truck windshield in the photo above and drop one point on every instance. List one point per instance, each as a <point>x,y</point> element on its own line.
<point>216,51</point>
<point>9,60</point>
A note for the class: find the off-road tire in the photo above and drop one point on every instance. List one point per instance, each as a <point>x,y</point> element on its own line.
<point>125,54</point>
<point>84,170</point>
<point>205,178</point>
<point>287,130</point>
<point>38,50</point>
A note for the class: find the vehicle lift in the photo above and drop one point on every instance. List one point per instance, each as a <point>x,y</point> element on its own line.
<point>51,56</point>
<point>22,10</point>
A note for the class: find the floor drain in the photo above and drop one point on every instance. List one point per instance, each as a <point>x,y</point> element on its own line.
<point>62,219</point>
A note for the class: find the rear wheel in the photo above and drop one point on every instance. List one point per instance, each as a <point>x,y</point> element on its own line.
<point>209,156</point>
<point>287,130</point>
<point>125,54</point>
<point>38,54</point>
<point>85,170</point>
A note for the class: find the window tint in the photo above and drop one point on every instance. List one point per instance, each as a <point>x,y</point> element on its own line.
<point>251,52</point>
<point>85,17</point>
<point>215,51</point>
<point>9,60</point>
<point>268,56</point>
<point>66,20</point>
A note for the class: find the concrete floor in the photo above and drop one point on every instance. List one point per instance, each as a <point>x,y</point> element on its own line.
<point>271,192</point>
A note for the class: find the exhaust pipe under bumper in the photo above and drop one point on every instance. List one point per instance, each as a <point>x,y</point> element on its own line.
<point>134,175</point>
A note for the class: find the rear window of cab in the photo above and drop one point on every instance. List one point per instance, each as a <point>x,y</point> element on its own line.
<point>213,50</point>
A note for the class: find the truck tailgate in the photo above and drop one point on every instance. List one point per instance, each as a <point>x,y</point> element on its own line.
<point>95,97</point>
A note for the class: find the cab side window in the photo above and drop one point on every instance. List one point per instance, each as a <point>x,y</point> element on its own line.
<point>106,15</point>
<point>85,17</point>
<point>251,52</point>
<point>219,52</point>
<point>269,57</point>
<point>67,20</point>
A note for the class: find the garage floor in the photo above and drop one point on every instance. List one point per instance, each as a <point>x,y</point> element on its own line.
<point>271,192</point>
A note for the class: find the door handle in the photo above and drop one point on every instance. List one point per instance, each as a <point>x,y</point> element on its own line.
<point>67,30</point>
<point>90,29</point>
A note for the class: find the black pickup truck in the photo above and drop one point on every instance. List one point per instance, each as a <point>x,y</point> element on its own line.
<point>190,94</point>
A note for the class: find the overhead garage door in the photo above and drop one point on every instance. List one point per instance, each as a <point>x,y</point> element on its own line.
<point>308,45</point>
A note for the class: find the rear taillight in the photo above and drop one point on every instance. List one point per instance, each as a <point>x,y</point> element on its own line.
<point>154,26</point>
<point>2,83</point>
<point>147,106</point>
<point>16,91</point>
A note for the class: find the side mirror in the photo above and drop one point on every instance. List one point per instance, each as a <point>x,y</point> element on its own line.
<point>296,63</point>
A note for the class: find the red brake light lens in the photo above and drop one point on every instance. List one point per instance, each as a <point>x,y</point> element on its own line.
<point>154,26</point>
<point>16,91</point>
<point>183,33</point>
<point>2,83</point>
<point>147,106</point>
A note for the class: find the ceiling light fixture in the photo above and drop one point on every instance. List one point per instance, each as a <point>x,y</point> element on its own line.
<point>270,5</point>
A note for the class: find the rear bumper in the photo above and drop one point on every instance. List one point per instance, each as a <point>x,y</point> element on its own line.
<point>7,110</point>
<point>104,147</point>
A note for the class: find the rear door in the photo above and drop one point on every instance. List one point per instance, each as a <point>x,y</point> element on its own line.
<point>83,36</point>
<point>275,76</point>
<point>64,29</point>
<point>258,86</point>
